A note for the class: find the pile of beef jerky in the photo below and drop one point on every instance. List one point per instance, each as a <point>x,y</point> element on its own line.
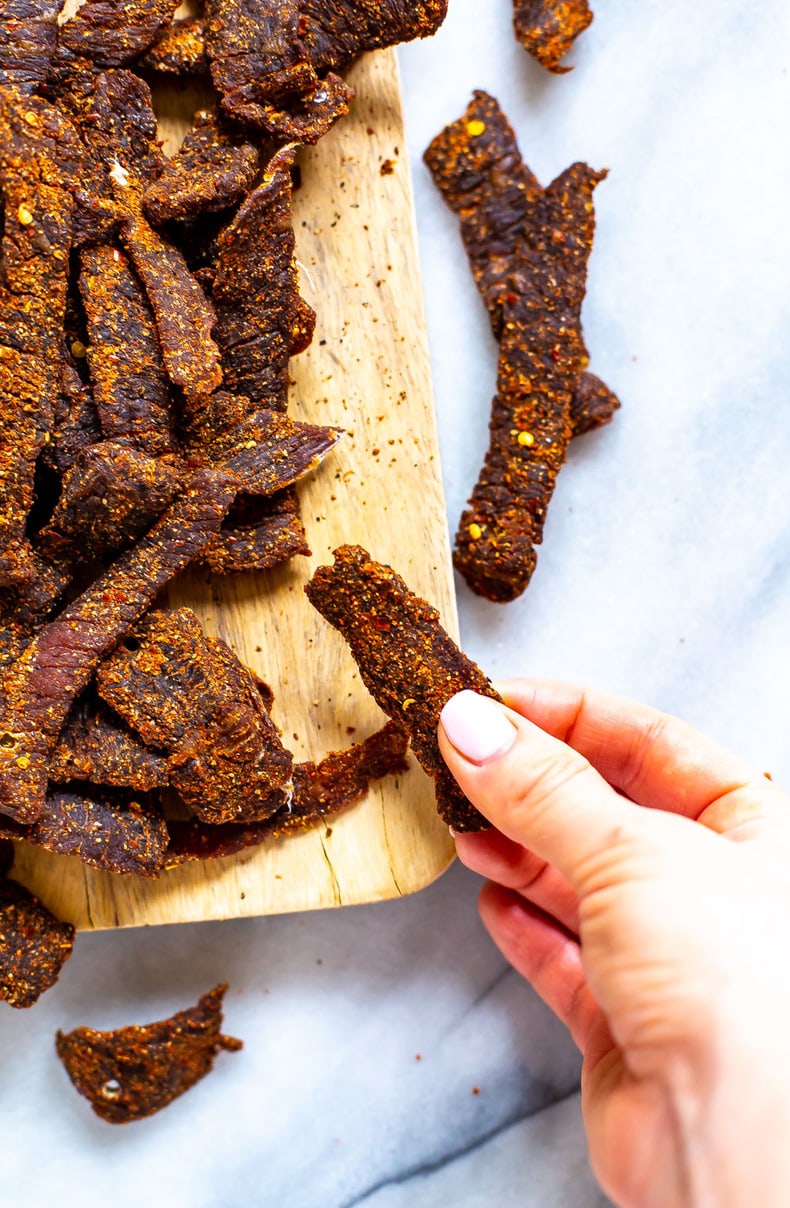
<point>148,311</point>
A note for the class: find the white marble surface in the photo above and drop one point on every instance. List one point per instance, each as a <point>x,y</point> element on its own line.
<point>665,574</point>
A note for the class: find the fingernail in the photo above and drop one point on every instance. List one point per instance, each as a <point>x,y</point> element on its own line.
<point>477,727</point>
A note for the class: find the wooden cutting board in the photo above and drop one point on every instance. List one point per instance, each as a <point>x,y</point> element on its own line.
<point>367,371</point>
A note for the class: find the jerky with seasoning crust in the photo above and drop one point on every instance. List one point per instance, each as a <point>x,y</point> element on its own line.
<point>335,34</point>
<point>189,695</point>
<point>39,160</point>
<point>111,33</point>
<point>406,660</point>
<point>28,35</point>
<point>34,945</point>
<point>24,609</point>
<point>97,747</point>
<point>133,1072</point>
<point>258,534</point>
<point>541,354</point>
<point>180,49</point>
<point>39,688</point>
<point>548,28</point>
<point>268,451</point>
<point>76,424</point>
<point>320,791</point>
<point>212,169</point>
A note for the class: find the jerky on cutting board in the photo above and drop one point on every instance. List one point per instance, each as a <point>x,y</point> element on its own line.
<point>406,660</point>
<point>97,747</point>
<point>179,49</point>
<point>28,36</point>
<point>259,533</point>
<point>133,1072</point>
<point>548,28</point>
<point>337,33</point>
<point>34,945</point>
<point>111,33</point>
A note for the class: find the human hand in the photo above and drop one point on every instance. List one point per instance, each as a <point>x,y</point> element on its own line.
<point>638,878</point>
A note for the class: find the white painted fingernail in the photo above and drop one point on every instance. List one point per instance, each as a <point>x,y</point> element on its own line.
<point>478,727</point>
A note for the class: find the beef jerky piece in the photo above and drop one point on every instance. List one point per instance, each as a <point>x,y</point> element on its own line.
<point>110,33</point>
<point>34,946</point>
<point>25,609</point>
<point>304,327</point>
<point>334,34</point>
<point>110,497</point>
<point>133,1072</point>
<point>130,388</point>
<point>256,289</point>
<point>39,160</point>
<point>307,119</point>
<point>28,35</point>
<point>212,170</point>
<point>76,424</point>
<point>320,791</point>
<point>7,854</point>
<point>268,451</point>
<point>261,534</point>
<point>40,687</point>
<point>548,28</point>
<point>593,404</point>
<point>540,359</point>
<point>180,49</point>
<point>407,662</point>
<point>96,746</point>
<point>120,126</point>
<point>104,828</point>
<point>190,696</point>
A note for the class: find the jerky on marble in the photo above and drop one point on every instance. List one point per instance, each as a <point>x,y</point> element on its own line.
<point>548,28</point>
<point>406,660</point>
<point>133,1072</point>
<point>189,695</point>
<point>34,945</point>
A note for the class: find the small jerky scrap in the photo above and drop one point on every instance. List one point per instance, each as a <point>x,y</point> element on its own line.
<point>593,404</point>
<point>133,1072</point>
<point>113,32</point>
<point>189,695</point>
<point>38,689</point>
<point>258,534</point>
<point>268,451</point>
<point>256,289</point>
<point>320,791</point>
<point>548,28</point>
<point>105,828</point>
<point>131,391</point>
<point>406,660</point>
<point>34,945</point>
<point>180,49</point>
<point>212,169</point>
<point>28,36</point>
<point>335,34</point>
<point>541,355</point>
<point>96,746</point>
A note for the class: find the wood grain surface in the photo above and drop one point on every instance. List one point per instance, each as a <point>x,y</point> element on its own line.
<point>367,371</point>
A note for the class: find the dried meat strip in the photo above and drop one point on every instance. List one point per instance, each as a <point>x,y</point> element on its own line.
<point>548,28</point>
<point>335,34</point>
<point>97,747</point>
<point>541,356</point>
<point>76,424</point>
<point>180,49</point>
<point>131,390</point>
<point>28,36</point>
<point>34,945</point>
<point>212,169</point>
<point>39,160</point>
<point>268,451</point>
<point>320,791</point>
<point>39,688</point>
<point>189,695</point>
<point>110,33</point>
<point>133,1072</point>
<point>258,534</point>
<point>104,828</point>
<point>255,54</point>
<point>406,660</point>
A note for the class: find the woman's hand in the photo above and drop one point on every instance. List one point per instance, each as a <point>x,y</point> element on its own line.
<point>639,878</point>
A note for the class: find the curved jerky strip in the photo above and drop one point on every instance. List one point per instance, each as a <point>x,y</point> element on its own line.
<point>268,451</point>
<point>261,534</point>
<point>34,945</point>
<point>133,1072</point>
<point>111,33</point>
<point>335,34</point>
<point>131,391</point>
<point>28,36</point>
<point>548,28</point>
<point>190,696</point>
<point>320,791</point>
<point>25,609</point>
<point>309,118</point>
<point>211,170</point>
<point>406,660</point>
<point>76,424</point>
<point>540,360</point>
<point>104,828</point>
<point>39,688</point>
<point>180,49</point>
<point>97,747</point>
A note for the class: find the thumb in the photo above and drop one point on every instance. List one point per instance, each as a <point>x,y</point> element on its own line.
<point>535,789</point>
